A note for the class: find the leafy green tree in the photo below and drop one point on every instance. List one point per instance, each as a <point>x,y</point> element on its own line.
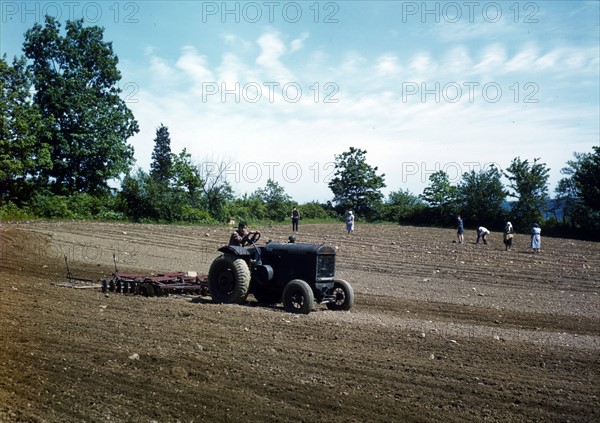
<point>76,89</point>
<point>481,196</point>
<point>529,184</point>
<point>217,191</point>
<point>403,206</point>
<point>216,198</point>
<point>23,153</point>
<point>568,202</point>
<point>161,168</point>
<point>356,185</point>
<point>577,193</point>
<point>441,196</point>
<point>587,178</point>
<point>143,196</point>
<point>247,207</point>
<point>186,177</point>
<point>567,196</point>
<point>314,210</point>
<point>133,199</point>
<point>278,203</point>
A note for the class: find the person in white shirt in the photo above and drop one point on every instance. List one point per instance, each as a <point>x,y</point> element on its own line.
<point>482,234</point>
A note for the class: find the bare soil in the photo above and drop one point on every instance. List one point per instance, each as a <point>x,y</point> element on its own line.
<point>439,331</point>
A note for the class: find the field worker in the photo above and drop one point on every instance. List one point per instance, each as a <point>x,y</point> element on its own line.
<point>295,218</point>
<point>536,238</point>
<point>350,222</point>
<point>482,233</point>
<point>237,236</point>
<point>460,230</point>
<point>508,236</point>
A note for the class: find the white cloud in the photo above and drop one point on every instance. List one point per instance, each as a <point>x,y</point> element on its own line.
<point>422,65</point>
<point>457,61</point>
<point>352,62</point>
<point>492,60</point>
<point>194,65</point>
<point>298,43</point>
<point>388,65</point>
<point>549,60</point>
<point>524,60</point>
<point>271,51</point>
<point>161,69</point>
<point>235,41</point>
<point>231,70</point>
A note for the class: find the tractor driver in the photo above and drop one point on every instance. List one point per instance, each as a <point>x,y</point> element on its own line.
<point>240,233</point>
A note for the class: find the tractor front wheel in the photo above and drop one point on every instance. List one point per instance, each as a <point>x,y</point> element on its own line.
<point>298,297</point>
<point>229,280</point>
<point>344,295</point>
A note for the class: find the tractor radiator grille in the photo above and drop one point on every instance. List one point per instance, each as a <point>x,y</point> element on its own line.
<point>325,267</point>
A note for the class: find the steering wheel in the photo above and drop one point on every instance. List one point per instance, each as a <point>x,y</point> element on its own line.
<point>250,238</point>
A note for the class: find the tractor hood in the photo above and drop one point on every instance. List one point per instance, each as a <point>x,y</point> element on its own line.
<point>294,248</point>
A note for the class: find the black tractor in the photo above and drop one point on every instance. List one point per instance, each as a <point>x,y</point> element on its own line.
<point>298,275</point>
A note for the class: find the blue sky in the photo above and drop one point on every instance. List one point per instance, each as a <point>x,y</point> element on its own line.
<point>276,89</point>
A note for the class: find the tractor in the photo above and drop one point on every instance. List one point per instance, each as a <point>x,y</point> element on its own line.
<point>295,274</point>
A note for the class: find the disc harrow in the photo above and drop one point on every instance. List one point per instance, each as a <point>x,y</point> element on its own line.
<point>154,285</point>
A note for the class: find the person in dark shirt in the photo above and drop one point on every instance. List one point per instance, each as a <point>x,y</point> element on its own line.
<point>508,236</point>
<point>295,219</point>
<point>460,230</point>
<point>238,236</point>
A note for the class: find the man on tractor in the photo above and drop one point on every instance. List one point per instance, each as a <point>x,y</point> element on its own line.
<point>241,237</point>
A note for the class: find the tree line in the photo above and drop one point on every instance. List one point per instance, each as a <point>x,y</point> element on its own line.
<point>63,139</point>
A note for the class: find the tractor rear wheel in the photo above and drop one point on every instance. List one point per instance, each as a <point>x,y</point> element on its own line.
<point>298,297</point>
<point>344,295</point>
<point>229,280</point>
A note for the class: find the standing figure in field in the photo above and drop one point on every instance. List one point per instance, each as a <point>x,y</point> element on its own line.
<point>508,236</point>
<point>482,234</point>
<point>536,238</point>
<point>350,222</point>
<point>460,230</point>
<point>295,219</point>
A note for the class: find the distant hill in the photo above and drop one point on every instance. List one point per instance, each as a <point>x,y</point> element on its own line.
<point>549,211</point>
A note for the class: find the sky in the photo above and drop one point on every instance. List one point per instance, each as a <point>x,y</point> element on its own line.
<point>276,89</point>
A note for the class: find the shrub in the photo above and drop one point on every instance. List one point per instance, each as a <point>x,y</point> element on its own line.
<point>51,206</point>
<point>11,211</point>
<point>194,215</point>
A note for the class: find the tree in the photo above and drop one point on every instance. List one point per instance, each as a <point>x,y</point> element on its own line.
<point>76,83</point>
<point>134,200</point>
<point>314,210</point>
<point>587,178</point>
<point>217,190</point>
<point>577,194</point>
<point>481,196</point>
<point>277,201</point>
<point>441,195</point>
<point>186,177</point>
<point>403,206</point>
<point>568,198</point>
<point>247,208</point>
<point>161,168</point>
<point>356,185</point>
<point>529,185</point>
<point>23,154</point>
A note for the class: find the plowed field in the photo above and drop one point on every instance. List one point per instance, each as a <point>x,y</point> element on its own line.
<point>439,331</point>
